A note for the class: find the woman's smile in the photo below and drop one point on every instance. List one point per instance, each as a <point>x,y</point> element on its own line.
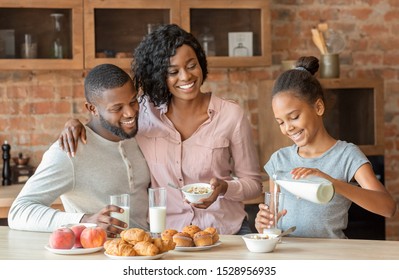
<point>186,86</point>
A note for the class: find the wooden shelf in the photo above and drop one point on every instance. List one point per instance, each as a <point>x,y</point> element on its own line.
<point>120,25</point>
<point>37,21</point>
<point>222,17</point>
<point>355,112</point>
<point>107,31</point>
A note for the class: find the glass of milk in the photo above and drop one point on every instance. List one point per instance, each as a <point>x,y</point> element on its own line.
<point>123,201</point>
<point>157,208</point>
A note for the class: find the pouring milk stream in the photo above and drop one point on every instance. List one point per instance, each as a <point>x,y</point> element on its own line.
<point>311,188</point>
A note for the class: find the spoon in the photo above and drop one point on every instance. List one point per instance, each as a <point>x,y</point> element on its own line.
<point>288,231</point>
<point>173,186</point>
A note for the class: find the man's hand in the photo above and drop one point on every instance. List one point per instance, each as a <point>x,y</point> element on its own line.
<point>103,219</point>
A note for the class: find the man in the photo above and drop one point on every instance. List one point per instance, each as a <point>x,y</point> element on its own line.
<point>110,163</point>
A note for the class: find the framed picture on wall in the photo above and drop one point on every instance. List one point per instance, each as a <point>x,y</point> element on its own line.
<point>240,44</point>
<point>7,43</point>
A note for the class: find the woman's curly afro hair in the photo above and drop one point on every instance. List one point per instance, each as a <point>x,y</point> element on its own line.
<point>152,59</point>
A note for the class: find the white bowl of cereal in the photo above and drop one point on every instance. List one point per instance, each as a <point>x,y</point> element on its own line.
<point>195,192</point>
<point>260,243</point>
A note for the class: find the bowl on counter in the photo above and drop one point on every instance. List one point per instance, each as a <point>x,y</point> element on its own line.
<point>20,161</point>
<point>260,243</point>
<point>195,192</point>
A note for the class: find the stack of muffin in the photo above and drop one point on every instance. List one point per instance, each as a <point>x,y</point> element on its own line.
<point>191,236</point>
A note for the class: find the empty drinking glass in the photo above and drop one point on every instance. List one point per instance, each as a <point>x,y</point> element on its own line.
<point>275,202</point>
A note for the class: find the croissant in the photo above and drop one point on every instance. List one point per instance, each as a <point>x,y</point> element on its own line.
<point>135,235</point>
<point>146,248</point>
<point>164,245</point>
<point>126,249</point>
<point>111,243</point>
<point>119,247</point>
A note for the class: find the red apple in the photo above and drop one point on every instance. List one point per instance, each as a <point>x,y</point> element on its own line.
<point>93,237</point>
<point>77,229</point>
<point>62,238</point>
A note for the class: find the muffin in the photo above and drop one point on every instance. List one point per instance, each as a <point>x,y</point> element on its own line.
<point>191,230</point>
<point>214,233</point>
<point>202,238</point>
<point>168,234</point>
<point>183,239</point>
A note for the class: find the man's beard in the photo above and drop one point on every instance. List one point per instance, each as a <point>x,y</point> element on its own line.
<point>118,131</point>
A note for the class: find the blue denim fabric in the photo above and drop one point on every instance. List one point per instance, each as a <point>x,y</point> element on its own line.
<point>245,228</point>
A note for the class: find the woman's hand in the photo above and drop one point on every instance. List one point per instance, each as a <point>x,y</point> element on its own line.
<point>103,219</point>
<point>69,137</point>
<point>265,218</point>
<point>219,187</point>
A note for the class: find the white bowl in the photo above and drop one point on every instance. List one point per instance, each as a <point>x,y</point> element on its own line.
<point>258,243</point>
<point>195,197</point>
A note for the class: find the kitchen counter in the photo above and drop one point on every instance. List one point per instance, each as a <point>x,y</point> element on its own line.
<point>8,195</point>
<point>31,245</point>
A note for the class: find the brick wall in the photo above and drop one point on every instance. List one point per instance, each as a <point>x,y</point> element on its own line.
<point>35,104</point>
<point>33,107</point>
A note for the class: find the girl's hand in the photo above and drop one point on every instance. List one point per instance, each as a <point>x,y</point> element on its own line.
<point>265,218</point>
<point>302,172</point>
<point>69,137</point>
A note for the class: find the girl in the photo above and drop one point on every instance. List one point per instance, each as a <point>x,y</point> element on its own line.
<point>298,105</point>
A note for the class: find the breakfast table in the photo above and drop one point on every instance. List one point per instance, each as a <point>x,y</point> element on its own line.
<point>26,245</point>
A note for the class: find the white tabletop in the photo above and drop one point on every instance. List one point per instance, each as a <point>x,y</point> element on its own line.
<point>31,245</point>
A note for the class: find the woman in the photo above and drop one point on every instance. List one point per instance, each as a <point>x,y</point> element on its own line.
<point>299,106</point>
<point>189,136</point>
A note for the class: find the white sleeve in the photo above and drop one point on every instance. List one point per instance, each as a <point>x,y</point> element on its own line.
<point>31,209</point>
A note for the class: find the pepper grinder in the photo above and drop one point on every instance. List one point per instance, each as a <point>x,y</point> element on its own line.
<point>6,164</point>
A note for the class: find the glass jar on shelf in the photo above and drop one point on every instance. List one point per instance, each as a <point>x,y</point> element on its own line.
<point>240,50</point>
<point>29,46</point>
<point>207,41</point>
<point>58,41</point>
